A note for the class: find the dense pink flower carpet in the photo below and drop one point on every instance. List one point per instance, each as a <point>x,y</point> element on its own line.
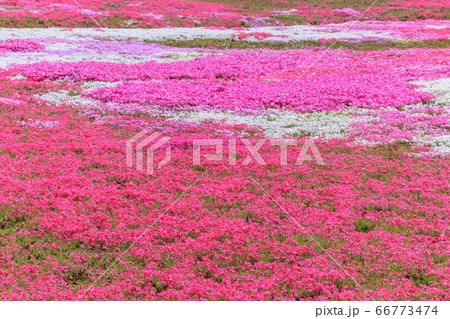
<point>369,85</point>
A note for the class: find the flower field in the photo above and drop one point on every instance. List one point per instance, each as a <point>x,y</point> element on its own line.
<point>367,83</point>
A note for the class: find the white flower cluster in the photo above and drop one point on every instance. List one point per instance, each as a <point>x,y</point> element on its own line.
<point>276,125</point>
<point>40,124</point>
<point>441,88</point>
<point>289,33</point>
<point>91,55</point>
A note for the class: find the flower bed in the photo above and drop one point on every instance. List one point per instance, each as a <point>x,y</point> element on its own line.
<point>367,222</point>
